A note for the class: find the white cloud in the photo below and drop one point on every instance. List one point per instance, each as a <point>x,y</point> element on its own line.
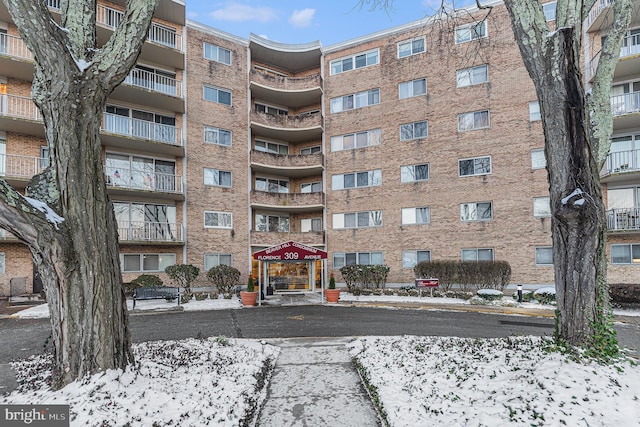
<point>302,18</point>
<point>237,12</point>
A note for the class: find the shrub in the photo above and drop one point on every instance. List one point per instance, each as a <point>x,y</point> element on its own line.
<point>201,296</point>
<point>332,282</point>
<point>184,275</point>
<point>468,274</point>
<point>147,280</point>
<point>490,294</point>
<point>359,276</point>
<point>526,296</point>
<point>250,284</point>
<point>388,292</point>
<point>444,271</point>
<point>545,295</point>
<point>225,279</point>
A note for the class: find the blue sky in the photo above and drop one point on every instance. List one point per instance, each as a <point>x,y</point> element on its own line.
<point>302,21</point>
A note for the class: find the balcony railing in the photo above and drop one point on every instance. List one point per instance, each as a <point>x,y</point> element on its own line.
<point>149,231</point>
<point>136,128</point>
<point>630,45</point>
<point>278,81</point>
<point>141,180</point>
<point>22,167</point>
<point>622,161</point>
<point>595,11</point>
<point>155,82</point>
<point>20,107</point>
<point>14,46</point>
<point>301,121</point>
<point>287,199</point>
<point>623,219</point>
<point>287,160</point>
<point>627,103</point>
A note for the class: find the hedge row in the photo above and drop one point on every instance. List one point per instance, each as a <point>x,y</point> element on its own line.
<point>469,275</point>
<point>361,276</point>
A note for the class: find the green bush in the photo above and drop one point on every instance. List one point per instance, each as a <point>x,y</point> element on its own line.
<point>490,294</point>
<point>364,276</point>
<point>545,295</point>
<point>445,271</point>
<point>468,274</point>
<point>147,280</point>
<point>201,296</point>
<point>225,279</point>
<point>250,284</point>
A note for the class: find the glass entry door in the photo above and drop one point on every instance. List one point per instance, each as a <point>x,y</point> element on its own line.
<point>289,276</point>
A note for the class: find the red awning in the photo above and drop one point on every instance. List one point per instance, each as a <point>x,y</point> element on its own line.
<point>290,251</point>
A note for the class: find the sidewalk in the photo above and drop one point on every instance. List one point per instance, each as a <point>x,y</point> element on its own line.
<point>314,383</point>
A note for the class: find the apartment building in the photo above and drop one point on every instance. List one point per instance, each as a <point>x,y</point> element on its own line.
<point>414,143</point>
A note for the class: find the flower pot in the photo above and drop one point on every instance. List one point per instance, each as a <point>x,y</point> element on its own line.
<point>332,295</point>
<point>249,298</point>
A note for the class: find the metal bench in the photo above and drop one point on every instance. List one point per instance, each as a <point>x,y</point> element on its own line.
<point>160,292</point>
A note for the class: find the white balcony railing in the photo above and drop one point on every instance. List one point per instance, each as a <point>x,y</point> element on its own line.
<point>155,82</point>
<point>141,180</point>
<point>21,107</point>
<point>23,167</point>
<point>630,45</point>
<point>626,103</point>
<point>623,219</point>
<point>149,231</point>
<point>15,47</point>
<point>598,6</point>
<point>622,161</point>
<point>136,128</point>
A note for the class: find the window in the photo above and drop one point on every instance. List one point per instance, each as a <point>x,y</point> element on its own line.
<point>549,10</point>
<point>2,263</point>
<point>412,88</point>
<point>214,260</point>
<point>350,141</point>
<point>272,223</point>
<point>410,47</point>
<point>473,31</point>
<point>268,109</point>
<point>357,100</point>
<point>217,53</point>
<point>340,259</point>
<point>481,211</point>
<point>150,222</point>
<point>217,95</point>
<point>146,262</point>
<point>217,219</point>
<point>541,207</point>
<point>357,180</point>
<point>357,220</point>
<point>272,147</point>
<point>217,136</point>
<point>141,124</point>
<point>625,254</point>
<point>411,258</point>
<point>416,216</point>
<point>272,185</point>
<point>310,150</point>
<point>415,130</point>
<point>477,254</point>
<point>310,224</point>
<point>44,155</point>
<point>414,173</point>
<point>475,166</point>
<point>143,173</point>
<point>360,60</point>
<point>311,187</point>
<point>544,255</point>
<point>473,120</point>
<point>538,161</point>
<point>534,111</point>
<point>472,76</point>
<point>217,177</point>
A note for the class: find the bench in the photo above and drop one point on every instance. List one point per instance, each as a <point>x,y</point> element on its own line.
<point>159,292</point>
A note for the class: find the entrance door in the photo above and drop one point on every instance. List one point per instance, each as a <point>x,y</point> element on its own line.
<point>290,276</point>
<point>37,281</point>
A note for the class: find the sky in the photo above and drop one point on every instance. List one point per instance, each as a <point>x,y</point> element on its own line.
<point>304,21</point>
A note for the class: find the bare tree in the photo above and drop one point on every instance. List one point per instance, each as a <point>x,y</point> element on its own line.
<point>67,220</point>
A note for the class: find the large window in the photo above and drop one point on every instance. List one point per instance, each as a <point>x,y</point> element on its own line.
<point>625,254</point>
<point>270,109</point>
<point>413,88</point>
<point>217,136</point>
<point>272,185</point>
<point>217,53</point>
<point>131,263</point>
<point>214,219</point>
<point>363,219</point>
<point>414,173</point>
<point>410,47</point>
<point>217,95</point>
<point>473,120</point>
<point>311,187</point>
<point>217,178</point>
<point>542,207</point>
<point>538,161</point>
<point>340,259</point>
<point>414,130</point>
<point>310,224</point>
<point>350,141</point>
<point>140,221</point>
<point>477,254</point>
<point>416,215</point>
<point>273,223</point>
<point>475,166</point>
<point>480,211</point>
<point>411,258</point>
<point>310,150</point>
<point>272,147</point>
<point>356,100</point>
<point>473,31</point>
<point>140,124</point>
<point>142,173</point>
<point>544,255</point>
<point>472,76</point>
<point>357,180</point>
<point>2,263</point>
<point>360,60</point>
<point>214,260</point>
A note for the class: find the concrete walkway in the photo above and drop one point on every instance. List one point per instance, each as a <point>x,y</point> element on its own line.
<point>315,384</point>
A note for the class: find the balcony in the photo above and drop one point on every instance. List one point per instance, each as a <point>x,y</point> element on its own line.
<point>128,182</point>
<point>287,165</point>
<point>621,166</point>
<point>281,89</point>
<point>287,202</point>
<point>5,236</point>
<point>600,15</point>
<point>151,88</point>
<point>629,62</point>
<point>625,109</point>
<point>19,114</point>
<point>124,132</point>
<point>623,220</point>
<point>267,238</point>
<point>138,232</point>
<point>18,170</point>
<point>300,128</point>
<point>16,60</point>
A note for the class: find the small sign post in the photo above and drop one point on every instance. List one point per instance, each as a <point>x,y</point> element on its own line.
<point>427,283</point>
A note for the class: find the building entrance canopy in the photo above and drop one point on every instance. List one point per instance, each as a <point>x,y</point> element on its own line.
<point>290,251</point>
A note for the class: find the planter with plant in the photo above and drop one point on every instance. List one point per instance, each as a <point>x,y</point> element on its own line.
<point>332,294</point>
<point>250,296</point>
